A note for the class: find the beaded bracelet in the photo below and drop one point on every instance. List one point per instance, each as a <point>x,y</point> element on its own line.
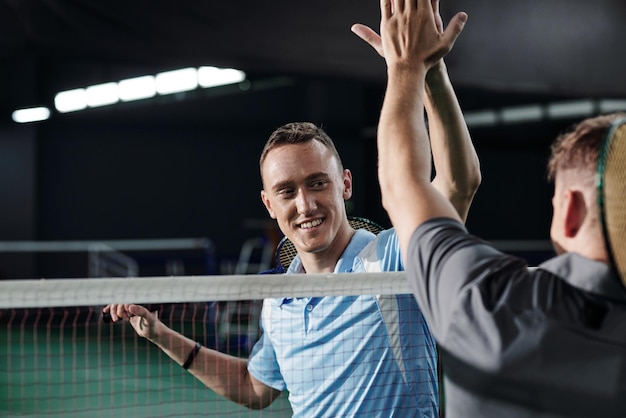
<point>192,355</point>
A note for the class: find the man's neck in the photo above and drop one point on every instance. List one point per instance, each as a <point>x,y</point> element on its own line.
<point>325,261</point>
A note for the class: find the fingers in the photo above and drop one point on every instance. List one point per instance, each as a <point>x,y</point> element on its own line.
<point>412,33</point>
<point>124,311</point>
<point>435,6</point>
<point>448,38</point>
<point>386,9</point>
<point>138,310</point>
<point>115,311</point>
<point>438,20</point>
<point>369,36</point>
<point>454,29</point>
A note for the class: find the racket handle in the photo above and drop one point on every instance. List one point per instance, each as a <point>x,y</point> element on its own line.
<point>106,317</point>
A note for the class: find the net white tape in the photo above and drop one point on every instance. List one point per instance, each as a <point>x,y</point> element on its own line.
<point>87,292</point>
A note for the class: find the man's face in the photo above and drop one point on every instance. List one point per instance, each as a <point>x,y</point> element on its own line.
<point>304,189</point>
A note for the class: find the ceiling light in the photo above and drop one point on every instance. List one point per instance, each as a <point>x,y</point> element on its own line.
<point>32,114</point>
<point>145,87</point>
<point>571,109</point>
<point>612,105</point>
<point>522,114</point>
<point>102,94</point>
<point>70,100</point>
<point>137,88</point>
<point>213,76</point>
<point>177,81</point>
<point>481,118</point>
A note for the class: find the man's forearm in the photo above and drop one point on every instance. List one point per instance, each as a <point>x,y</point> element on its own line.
<point>456,163</point>
<point>224,374</point>
<point>403,159</point>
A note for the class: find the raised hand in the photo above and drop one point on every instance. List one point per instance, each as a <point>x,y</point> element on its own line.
<point>412,32</point>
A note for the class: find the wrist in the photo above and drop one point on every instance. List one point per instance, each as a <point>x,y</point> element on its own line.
<point>161,335</point>
<point>407,74</point>
<point>437,79</point>
<point>437,71</point>
<point>192,355</point>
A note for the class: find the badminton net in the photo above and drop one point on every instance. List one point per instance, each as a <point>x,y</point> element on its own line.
<point>59,359</point>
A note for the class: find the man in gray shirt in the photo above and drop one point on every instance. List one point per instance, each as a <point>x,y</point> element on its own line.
<point>548,342</point>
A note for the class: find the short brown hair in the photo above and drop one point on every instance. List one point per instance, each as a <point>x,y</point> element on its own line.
<point>579,147</point>
<point>298,133</point>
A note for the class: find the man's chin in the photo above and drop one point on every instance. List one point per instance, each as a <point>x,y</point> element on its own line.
<point>311,247</point>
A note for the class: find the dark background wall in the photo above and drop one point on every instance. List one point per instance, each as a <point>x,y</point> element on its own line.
<point>187,166</point>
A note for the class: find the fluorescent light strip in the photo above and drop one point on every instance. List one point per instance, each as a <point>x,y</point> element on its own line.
<point>537,112</point>
<point>145,87</point>
<point>481,118</point>
<point>571,109</point>
<point>137,88</point>
<point>102,94</point>
<point>612,105</point>
<point>71,100</point>
<point>177,81</point>
<point>32,114</point>
<point>213,76</point>
<point>522,114</point>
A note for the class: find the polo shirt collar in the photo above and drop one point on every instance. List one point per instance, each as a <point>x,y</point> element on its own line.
<point>358,241</point>
<point>589,275</point>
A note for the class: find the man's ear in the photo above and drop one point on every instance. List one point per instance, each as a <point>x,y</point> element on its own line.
<point>268,205</point>
<point>575,212</point>
<point>347,184</point>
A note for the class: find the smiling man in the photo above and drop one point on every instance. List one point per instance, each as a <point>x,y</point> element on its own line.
<point>337,356</point>
<point>367,355</point>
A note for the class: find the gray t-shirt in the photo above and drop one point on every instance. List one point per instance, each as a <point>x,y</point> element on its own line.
<point>520,342</point>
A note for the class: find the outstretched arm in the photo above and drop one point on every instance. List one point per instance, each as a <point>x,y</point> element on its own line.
<point>457,169</point>
<point>456,163</point>
<point>413,42</point>
<point>226,375</point>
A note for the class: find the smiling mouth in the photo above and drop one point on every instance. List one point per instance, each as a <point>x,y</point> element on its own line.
<point>311,224</point>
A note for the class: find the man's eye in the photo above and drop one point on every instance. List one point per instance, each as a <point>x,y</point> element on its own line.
<point>285,192</point>
<point>319,184</point>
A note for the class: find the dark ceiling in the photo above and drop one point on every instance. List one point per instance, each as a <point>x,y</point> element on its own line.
<point>566,48</point>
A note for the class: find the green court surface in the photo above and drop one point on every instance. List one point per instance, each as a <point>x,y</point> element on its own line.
<point>69,369</point>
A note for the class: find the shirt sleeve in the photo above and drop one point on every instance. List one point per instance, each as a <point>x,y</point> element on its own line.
<point>388,251</point>
<point>444,266</point>
<point>380,254</point>
<point>262,362</point>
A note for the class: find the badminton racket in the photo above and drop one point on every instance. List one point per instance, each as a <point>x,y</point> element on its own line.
<point>611,190</point>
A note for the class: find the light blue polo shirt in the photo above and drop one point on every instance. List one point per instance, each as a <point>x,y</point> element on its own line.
<point>351,356</point>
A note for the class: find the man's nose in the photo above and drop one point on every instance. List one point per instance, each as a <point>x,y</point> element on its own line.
<point>305,202</point>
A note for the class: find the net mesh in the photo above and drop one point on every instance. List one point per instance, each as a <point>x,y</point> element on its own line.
<point>612,194</point>
<point>59,359</point>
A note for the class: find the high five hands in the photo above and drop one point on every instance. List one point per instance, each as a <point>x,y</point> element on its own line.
<point>412,33</point>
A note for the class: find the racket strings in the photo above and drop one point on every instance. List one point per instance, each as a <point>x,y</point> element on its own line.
<point>614,197</point>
